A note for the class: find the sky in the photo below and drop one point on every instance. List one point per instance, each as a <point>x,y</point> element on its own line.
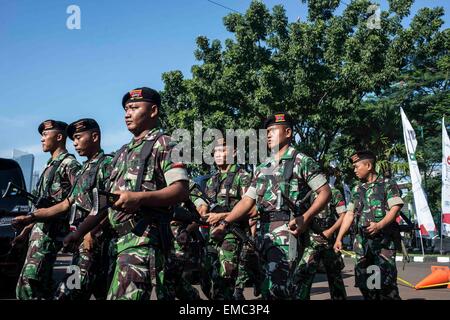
<point>50,72</point>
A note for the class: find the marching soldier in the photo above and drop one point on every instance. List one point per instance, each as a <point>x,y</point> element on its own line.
<point>148,183</point>
<point>224,189</point>
<point>188,244</point>
<point>319,247</point>
<point>376,202</point>
<point>55,183</point>
<point>284,178</point>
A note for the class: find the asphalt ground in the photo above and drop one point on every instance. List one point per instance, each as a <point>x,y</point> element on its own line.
<point>412,273</point>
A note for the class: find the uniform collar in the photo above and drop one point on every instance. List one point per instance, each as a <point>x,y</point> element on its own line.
<point>287,155</point>
<point>151,135</point>
<point>96,157</point>
<point>58,158</point>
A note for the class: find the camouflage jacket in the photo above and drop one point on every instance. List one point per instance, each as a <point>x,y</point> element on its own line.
<point>372,201</point>
<point>195,194</point>
<point>269,178</point>
<point>160,172</point>
<point>64,177</point>
<point>334,208</point>
<point>215,186</point>
<point>92,175</point>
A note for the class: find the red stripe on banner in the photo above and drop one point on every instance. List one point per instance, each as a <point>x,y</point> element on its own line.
<point>423,231</point>
<point>446,218</point>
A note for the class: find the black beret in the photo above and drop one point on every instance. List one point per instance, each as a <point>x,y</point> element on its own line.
<point>142,94</point>
<point>82,125</point>
<point>279,118</point>
<point>52,125</point>
<point>362,155</point>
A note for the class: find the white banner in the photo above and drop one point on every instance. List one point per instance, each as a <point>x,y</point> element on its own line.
<point>424,217</point>
<point>445,181</point>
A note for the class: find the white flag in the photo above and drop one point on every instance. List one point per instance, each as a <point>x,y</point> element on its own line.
<point>445,182</point>
<point>424,217</point>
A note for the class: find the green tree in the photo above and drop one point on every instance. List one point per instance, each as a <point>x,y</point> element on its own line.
<point>341,79</point>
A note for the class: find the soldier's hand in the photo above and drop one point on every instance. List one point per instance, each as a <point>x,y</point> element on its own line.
<point>215,218</point>
<point>22,237</point>
<point>182,238</point>
<point>21,221</point>
<point>203,210</point>
<point>128,201</point>
<point>337,246</point>
<point>297,226</point>
<point>373,228</point>
<point>88,242</point>
<point>71,242</point>
<point>218,233</point>
<point>327,233</point>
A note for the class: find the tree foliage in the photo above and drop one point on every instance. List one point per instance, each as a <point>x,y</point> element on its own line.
<point>341,80</point>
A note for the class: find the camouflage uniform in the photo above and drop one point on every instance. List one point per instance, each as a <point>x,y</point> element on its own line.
<point>273,234</point>
<point>371,202</point>
<point>316,248</point>
<point>248,270</point>
<point>35,280</point>
<point>222,258</point>
<point>174,283</point>
<point>90,262</point>
<point>139,245</point>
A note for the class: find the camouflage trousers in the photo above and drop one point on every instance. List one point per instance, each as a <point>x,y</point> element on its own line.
<point>172,281</point>
<point>35,280</point>
<point>248,269</point>
<point>277,270</point>
<point>92,269</point>
<point>220,263</point>
<point>314,253</point>
<point>137,262</point>
<point>376,254</point>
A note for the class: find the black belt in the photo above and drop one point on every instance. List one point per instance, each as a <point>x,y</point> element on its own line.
<point>271,216</point>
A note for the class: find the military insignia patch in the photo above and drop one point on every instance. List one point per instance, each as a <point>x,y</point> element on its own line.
<point>279,117</point>
<point>48,125</point>
<point>136,94</point>
<point>80,126</point>
<point>355,158</point>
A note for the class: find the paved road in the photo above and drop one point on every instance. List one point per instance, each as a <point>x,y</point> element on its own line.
<point>413,273</point>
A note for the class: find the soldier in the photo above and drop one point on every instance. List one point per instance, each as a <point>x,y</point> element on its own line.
<point>55,183</point>
<point>224,189</point>
<point>248,269</point>
<point>319,248</point>
<point>148,183</point>
<point>185,256</point>
<point>376,202</point>
<point>284,178</point>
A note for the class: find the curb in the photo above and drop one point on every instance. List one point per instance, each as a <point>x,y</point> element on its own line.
<point>399,258</point>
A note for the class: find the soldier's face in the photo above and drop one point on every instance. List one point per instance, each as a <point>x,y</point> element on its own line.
<point>362,169</point>
<point>50,140</point>
<point>83,142</point>
<point>138,116</point>
<point>220,155</point>
<point>278,135</point>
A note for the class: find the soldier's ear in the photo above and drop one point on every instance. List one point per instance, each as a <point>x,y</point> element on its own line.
<point>59,137</point>
<point>95,136</point>
<point>288,132</point>
<point>154,111</point>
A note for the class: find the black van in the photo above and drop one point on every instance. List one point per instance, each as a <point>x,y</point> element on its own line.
<point>11,258</point>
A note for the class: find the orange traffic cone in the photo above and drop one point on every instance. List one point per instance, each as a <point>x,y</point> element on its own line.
<point>440,275</point>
